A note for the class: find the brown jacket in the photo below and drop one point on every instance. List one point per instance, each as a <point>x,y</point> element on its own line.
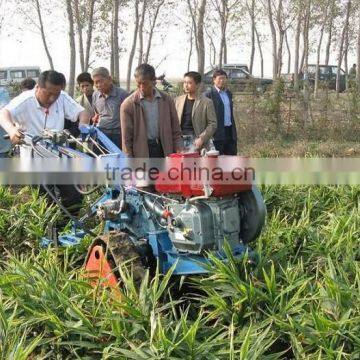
<point>134,126</point>
<point>203,116</point>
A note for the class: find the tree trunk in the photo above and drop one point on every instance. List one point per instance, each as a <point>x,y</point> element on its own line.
<point>280,53</point>
<point>305,67</point>
<point>274,39</point>
<point>225,51</point>
<point>80,35</point>
<point>115,32</point>
<point>212,51</point>
<point>305,55</point>
<point>194,24</point>
<point>281,37</point>
<point>316,88</point>
<point>89,34</point>
<point>252,19</point>
<point>260,52</point>
<point>289,53</point>
<point>297,52</point>
<point>152,28</point>
<point>213,61</point>
<point>43,37</point>
<point>112,46</point>
<point>200,37</point>
<point>358,58</point>
<point>141,33</point>
<point>190,50</point>
<point>346,60</point>
<point>133,47</point>
<point>71,85</point>
<point>330,32</point>
<point>341,50</point>
<point>223,23</point>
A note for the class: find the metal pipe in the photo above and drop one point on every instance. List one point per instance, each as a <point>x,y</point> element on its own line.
<point>151,205</point>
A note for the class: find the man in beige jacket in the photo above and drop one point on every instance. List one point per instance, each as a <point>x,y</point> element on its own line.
<point>196,112</point>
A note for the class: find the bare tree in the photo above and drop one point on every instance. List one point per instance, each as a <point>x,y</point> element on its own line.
<point>260,52</point>
<point>141,31</point>
<point>251,11</point>
<point>191,38</point>
<point>274,38</point>
<point>289,53</point>
<point>358,55</point>
<point>323,10</point>
<point>306,33</point>
<point>89,33</point>
<point>79,25</point>
<point>297,46</point>
<point>84,18</point>
<point>112,45</point>
<point>224,9</point>
<point>42,32</point>
<point>341,47</point>
<point>197,12</point>
<point>200,37</point>
<point>71,82</point>
<point>211,34</point>
<point>282,31</point>
<point>115,37</point>
<point>221,7</point>
<point>305,62</point>
<point>154,12</point>
<point>330,30</point>
<point>133,47</point>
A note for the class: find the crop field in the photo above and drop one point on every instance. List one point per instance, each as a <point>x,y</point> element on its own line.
<point>299,300</point>
<point>295,297</point>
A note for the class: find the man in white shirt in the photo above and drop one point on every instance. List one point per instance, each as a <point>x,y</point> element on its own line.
<point>45,107</point>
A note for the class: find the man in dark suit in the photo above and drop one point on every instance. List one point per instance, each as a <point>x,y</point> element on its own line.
<point>225,137</point>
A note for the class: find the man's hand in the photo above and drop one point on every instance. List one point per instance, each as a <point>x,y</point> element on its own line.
<point>95,119</point>
<point>198,143</point>
<point>16,137</point>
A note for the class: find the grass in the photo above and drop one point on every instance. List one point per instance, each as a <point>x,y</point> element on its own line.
<point>299,301</point>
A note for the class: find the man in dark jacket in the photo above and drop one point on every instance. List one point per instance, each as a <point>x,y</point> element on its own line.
<point>225,137</point>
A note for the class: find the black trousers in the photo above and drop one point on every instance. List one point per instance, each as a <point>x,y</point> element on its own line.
<point>227,146</point>
<point>115,138</point>
<point>155,149</point>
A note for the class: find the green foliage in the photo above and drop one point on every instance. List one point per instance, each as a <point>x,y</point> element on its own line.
<point>23,218</point>
<point>300,300</point>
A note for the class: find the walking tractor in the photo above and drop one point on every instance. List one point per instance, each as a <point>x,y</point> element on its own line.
<point>172,224</point>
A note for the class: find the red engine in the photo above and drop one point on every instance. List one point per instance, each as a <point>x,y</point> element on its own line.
<point>189,175</point>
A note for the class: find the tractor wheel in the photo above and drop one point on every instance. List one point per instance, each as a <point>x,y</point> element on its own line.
<point>106,254</point>
<point>252,214</point>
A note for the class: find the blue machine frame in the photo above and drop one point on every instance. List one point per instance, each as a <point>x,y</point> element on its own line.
<point>159,241</point>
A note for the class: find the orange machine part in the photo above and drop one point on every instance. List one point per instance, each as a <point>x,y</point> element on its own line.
<point>99,269</point>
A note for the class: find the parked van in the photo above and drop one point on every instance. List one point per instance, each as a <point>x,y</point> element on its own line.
<point>17,74</point>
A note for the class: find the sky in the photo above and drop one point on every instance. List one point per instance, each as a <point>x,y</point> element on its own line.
<point>24,48</point>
